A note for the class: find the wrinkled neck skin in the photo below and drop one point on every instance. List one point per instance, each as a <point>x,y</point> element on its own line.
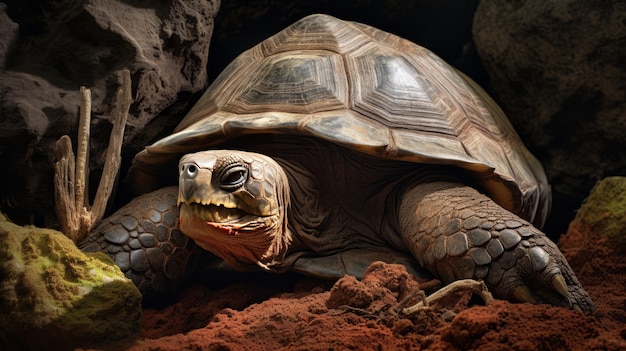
<point>332,200</point>
<point>350,202</point>
<point>273,243</point>
<point>338,199</point>
<point>263,242</point>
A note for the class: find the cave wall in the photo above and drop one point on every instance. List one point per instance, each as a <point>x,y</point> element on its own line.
<point>556,68</point>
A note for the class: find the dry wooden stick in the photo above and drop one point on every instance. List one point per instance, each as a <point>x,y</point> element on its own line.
<point>82,149</point>
<point>113,157</point>
<point>475,286</point>
<point>71,219</point>
<point>76,217</point>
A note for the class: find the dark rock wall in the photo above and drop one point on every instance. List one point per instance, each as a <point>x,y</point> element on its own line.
<point>48,49</point>
<point>557,69</point>
<point>443,26</point>
<point>51,48</point>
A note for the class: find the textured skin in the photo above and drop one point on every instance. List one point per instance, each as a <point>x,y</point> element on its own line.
<point>144,241</point>
<point>458,233</point>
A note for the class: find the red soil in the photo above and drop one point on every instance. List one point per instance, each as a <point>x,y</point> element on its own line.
<point>298,313</point>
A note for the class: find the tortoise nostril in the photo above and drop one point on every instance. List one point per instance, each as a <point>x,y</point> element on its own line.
<point>189,170</point>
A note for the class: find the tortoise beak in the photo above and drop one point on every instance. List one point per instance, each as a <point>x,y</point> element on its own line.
<point>194,177</point>
<point>191,182</point>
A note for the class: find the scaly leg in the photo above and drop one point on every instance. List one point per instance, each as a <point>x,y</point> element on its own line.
<point>144,241</point>
<point>458,233</point>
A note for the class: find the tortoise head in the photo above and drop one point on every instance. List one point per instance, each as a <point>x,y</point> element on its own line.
<point>233,204</point>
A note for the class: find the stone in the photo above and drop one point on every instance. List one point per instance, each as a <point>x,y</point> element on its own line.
<point>9,30</point>
<point>557,70</point>
<point>51,290</point>
<point>65,44</point>
<point>604,211</point>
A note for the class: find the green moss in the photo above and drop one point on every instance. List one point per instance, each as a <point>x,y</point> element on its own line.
<point>48,286</point>
<point>604,211</point>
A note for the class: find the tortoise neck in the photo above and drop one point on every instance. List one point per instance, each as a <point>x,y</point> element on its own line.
<point>305,214</point>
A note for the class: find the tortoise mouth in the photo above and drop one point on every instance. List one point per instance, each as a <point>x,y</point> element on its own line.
<point>213,213</point>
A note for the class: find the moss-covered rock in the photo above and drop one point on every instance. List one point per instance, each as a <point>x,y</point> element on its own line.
<point>604,211</point>
<point>53,296</point>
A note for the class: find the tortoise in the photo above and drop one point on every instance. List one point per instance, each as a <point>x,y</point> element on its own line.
<point>333,144</point>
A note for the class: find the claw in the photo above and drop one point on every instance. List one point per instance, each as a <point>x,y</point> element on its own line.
<point>559,285</point>
<point>523,294</point>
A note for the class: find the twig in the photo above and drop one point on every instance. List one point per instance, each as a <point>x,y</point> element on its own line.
<point>113,157</point>
<point>76,217</point>
<point>82,149</point>
<point>419,293</point>
<point>426,302</point>
<point>475,286</point>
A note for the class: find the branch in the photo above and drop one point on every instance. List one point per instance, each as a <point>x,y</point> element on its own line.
<point>113,158</point>
<point>82,149</point>
<point>76,218</point>
<point>456,287</point>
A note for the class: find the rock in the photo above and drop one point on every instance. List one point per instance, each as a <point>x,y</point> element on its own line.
<point>9,31</point>
<point>595,247</point>
<point>604,212</point>
<point>62,45</point>
<point>52,47</point>
<point>557,69</point>
<point>52,296</point>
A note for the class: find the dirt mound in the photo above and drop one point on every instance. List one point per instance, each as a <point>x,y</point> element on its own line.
<point>362,315</point>
<point>288,312</point>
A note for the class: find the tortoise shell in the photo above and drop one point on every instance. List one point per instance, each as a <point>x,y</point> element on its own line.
<point>366,90</point>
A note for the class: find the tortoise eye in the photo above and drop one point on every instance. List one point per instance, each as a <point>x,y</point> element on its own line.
<point>233,177</point>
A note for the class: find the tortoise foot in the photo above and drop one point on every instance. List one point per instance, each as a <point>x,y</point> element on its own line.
<point>458,233</point>
<point>537,272</point>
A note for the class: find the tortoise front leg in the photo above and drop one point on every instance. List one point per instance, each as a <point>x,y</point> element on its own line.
<point>144,241</point>
<point>458,233</point>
